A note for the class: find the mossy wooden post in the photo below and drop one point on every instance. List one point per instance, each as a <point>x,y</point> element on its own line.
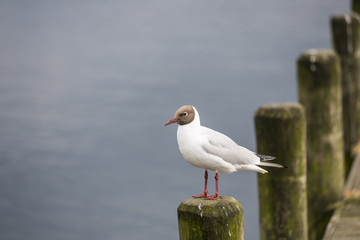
<point>355,6</point>
<point>280,132</point>
<point>346,42</point>
<point>319,90</point>
<point>201,219</point>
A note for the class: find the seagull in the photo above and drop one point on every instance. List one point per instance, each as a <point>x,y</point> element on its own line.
<point>208,149</point>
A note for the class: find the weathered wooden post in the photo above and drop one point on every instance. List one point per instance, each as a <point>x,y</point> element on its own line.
<point>201,219</point>
<point>346,42</point>
<point>280,132</point>
<point>355,6</point>
<point>319,90</point>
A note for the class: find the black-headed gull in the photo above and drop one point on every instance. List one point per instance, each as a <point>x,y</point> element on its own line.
<point>205,148</point>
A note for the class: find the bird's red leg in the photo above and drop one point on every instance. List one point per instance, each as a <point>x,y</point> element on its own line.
<point>205,194</point>
<point>216,196</point>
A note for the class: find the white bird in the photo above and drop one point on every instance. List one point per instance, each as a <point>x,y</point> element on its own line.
<point>205,148</point>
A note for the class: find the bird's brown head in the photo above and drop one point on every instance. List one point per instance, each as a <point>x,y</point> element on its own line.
<point>183,115</point>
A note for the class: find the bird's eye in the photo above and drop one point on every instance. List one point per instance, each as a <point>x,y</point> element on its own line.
<point>184,114</point>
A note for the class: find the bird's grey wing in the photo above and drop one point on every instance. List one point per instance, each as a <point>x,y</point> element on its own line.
<point>224,147</point>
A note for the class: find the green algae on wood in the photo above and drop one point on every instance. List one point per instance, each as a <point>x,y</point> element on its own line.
<point>319,91</point>
<point>201,219</point>
<point>281,132</point>
<point>346,42</point>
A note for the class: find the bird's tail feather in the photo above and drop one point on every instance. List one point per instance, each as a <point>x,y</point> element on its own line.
<point>265,157</point>
<point>270,164</point>
<point>251,167</point>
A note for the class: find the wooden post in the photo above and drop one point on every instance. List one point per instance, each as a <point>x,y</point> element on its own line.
<point>346,42</point>
<point>201,219</point>
<point>319,90</point>
<point>355,6</point>
<point>280,132</point>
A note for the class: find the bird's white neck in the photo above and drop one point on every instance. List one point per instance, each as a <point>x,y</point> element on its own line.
<point>196,121</point>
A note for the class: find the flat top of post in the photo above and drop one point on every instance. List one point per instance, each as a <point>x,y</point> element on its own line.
<point>317,55</point>
<point>280,110</point>
<point>345,17</point>
<point>224,205</point>
<point>345,33</point>
<point>209,203</point>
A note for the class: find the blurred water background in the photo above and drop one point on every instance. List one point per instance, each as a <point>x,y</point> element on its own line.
<point>85,90</point>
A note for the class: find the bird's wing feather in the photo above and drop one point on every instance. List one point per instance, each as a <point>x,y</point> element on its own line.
<point>220,145</point>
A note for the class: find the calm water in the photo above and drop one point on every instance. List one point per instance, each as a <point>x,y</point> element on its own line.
<point>85,90</point>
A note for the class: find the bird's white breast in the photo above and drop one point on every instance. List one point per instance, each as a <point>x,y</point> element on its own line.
<point>190,141</point>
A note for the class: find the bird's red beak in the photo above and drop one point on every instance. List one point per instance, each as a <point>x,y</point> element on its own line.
<point>171,121</point>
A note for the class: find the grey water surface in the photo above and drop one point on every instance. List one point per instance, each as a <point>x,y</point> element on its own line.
<point>85,90</point>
